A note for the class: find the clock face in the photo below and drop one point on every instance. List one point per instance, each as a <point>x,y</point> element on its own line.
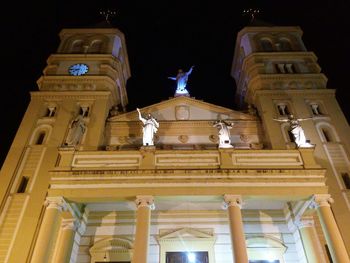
<point>78,69</point>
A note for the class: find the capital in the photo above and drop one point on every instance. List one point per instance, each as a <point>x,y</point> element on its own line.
<point>70,224</point>
<point>232,200</point>
<point>56,202</point>
<point>320,200</point>
<point>145,200</point>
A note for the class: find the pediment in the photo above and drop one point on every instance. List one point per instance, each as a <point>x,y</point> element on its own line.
<point>183,109</point>
<point>186,233</point>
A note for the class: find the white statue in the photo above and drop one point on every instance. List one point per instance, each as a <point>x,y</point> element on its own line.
<point>150,127</point>
<point>296,130</point>
<point>181,80</point>
<point>76,131</point>
<point>224,133</point>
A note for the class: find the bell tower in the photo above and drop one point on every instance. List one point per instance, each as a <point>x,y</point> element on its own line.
<point>81,83</point>
<point>277,75</point>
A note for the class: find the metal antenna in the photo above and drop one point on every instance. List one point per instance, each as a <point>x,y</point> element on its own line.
<point>251,12</point>
<point>108,14</point>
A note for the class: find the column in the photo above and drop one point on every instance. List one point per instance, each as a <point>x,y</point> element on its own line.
<point>233,204</point>
<point>311,244</point>
<point>54,207</point>
<point>66,240</point>
<point>330,229</point>
<point>145,204</point>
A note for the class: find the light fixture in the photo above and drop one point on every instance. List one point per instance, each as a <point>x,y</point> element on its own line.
<point>105,257</point>
<point>191,257</point>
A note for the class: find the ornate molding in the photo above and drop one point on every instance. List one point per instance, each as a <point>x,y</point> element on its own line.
<point>56,202</point>
<point>321,200</point>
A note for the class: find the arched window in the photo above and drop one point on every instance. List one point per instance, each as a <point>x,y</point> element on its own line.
<point>77,46</point>
<point>284,45</point>
<point>266,45</point>
<point>40,138</point>
<point>95,46</point>
<point>327,132</point>
<point>40,135</point>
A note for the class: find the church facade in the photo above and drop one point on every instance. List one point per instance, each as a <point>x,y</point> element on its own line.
<point>81,183</point>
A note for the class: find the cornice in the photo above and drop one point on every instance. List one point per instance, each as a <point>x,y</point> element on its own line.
<point>309,92</point>
<point>60,95</point>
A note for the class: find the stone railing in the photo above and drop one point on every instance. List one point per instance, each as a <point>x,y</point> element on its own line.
<point>150,158</point>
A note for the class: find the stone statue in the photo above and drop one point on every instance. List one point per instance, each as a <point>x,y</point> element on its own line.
<point>76,131</point>
<point>296,130</point>
<point>224,133</point>
<point>150,127</point>
<point>181,80</point>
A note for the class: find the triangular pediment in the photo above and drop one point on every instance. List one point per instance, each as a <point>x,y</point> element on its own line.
<point>186,233</point>
<point>184,108</point>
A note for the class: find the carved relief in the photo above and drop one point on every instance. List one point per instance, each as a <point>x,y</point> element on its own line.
<point>183,138</point>
<point>182,112</point>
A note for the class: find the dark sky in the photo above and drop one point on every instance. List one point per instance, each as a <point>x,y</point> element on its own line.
<point>161,37</point>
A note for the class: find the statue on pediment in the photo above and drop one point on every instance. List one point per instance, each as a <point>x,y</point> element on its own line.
<point>150,127</point>
<point>181,80</point>
<point>224,133</point>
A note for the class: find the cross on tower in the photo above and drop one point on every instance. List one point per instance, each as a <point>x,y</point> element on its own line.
<point>251,12</point>
<point>108,13</point>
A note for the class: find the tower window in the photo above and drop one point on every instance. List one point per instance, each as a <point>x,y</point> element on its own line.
<point>40,138</point>
<point>50,112</point>
<point>23,185</point>
<point>84,111</point>
<point>290,68</point>
<point>327,134</point>
<point>346,180</point>
<point>315,108</point>
<point>285,68</point>
<point>77,46</point>
<point>328,253</point>
<point>283,109</point>
<point>266,45</point>
<point>284,45</point>
<point>95,47</point>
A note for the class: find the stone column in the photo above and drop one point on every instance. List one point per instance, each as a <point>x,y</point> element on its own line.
<point>233,204</point>
<point>330,229</point>
<point>145,204</point>
<point>66,241</point>
<point>311,244</point>
<point>43,246</point>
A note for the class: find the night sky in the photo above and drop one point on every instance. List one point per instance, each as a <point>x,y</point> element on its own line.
<point>161,38</point>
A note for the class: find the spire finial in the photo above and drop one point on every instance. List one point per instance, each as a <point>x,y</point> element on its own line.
<point>252,12</point>
<point>108,13</point>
